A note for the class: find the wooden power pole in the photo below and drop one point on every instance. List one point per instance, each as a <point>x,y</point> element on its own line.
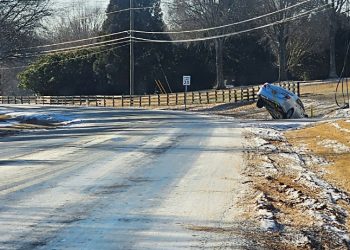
<point>132,56</point>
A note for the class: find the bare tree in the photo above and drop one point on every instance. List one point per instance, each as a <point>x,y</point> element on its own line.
<point>279,34</point>
<point>189,14</point>
<point>336,6</point>
<point>79,22</point>
<point>289,42</point>
<point>18,22</point>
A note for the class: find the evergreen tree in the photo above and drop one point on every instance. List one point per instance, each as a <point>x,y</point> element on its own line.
<point>113,67</point>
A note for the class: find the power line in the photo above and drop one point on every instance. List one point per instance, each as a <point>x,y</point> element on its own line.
<point>233,33</point>
<point>172,41</point>
<point>70,59</point>
<point>96,47</point>
<point>75,41</point>
<point>227,25</point>
<point>167,32</point>
<point>107,43</point>
<point>75,48</point>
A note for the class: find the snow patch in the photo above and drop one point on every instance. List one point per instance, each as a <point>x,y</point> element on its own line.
<point>7,124</point>
<point>336,146</point>
<point>43,117</point>
<point>324,208</point>
<point>339,113</point>
<point>337,126</point>
<point>265,211</point>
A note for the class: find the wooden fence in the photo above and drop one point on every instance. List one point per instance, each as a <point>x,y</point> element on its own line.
<point>190,98</point>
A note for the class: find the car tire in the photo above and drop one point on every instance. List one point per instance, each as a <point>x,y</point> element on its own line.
<point>260,103</point>
<point>276,115</point>
<point>289,113</point>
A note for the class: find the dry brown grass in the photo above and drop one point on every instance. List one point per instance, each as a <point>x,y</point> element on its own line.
<point>17,128</point>
<point>328,88</point>
<point>339,171</point>
<point>290,214</point>
<point>4,117</point>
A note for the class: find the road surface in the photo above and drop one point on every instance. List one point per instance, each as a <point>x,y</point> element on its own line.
<point>123,179</point>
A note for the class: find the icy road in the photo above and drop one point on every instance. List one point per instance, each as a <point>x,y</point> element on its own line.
<point>121,179</point>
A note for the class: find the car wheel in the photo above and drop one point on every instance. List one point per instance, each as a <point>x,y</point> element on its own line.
<point>276,115</point>
<point>260,103</point>
<point>289,114</point>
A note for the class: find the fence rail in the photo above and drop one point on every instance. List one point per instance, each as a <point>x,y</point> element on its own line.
<point>191,98</point>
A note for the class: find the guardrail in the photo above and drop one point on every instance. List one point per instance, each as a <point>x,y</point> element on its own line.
<point>158,100</point>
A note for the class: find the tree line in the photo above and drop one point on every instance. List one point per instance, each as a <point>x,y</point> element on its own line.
<point>293,40</point>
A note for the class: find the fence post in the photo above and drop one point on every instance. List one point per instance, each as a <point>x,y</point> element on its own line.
<point>242,95</point>
<point>131,101</point>
<point>298,88</point>
<point>122,101</point>
<point>223,96</point>
<point>253,94</point>
<point>229,95</point>
<point>200,97</point>
<point>208,100</point>
<point>235,95</point>
<point>158,100</point>
<point>176,99</point>
<point>167,99</point>
<point>131,104</point>
<point>140,101</point>
<point>216,96</point>
<point>104,101</point>
<point>192,97</point>
<point>149,100</point>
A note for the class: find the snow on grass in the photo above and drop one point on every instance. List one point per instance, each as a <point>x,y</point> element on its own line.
<point>5,124</point>
<point>336,146</point>
<point>287,159</point>
<point>339,113</point>
<point>41,117</point>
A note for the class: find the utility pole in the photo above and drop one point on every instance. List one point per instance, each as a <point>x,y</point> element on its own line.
<point>132,56</point>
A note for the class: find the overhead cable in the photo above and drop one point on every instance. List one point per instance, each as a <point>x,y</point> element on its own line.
<point>62,52</point>
<point>75,41</point>
<point>224,26</point>
<point>318,9</point>
<point>169,32</point>
<point>70,59</point>
<point>86,46</point>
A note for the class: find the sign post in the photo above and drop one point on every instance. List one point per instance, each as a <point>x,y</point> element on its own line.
<point>186,82</point>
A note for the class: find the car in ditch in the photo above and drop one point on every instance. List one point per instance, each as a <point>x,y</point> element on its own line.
<point>280,103</point>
